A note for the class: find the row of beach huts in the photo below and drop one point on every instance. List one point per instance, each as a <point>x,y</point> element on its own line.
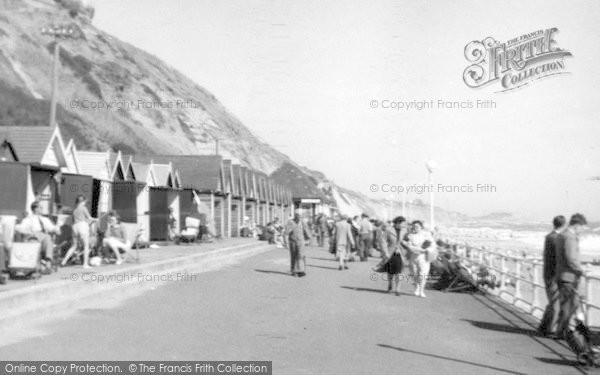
<point>36,164</point>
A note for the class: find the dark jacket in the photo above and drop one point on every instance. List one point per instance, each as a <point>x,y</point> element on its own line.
<point>297,232</point>
<point>550,257</point>
<point>568,267</point>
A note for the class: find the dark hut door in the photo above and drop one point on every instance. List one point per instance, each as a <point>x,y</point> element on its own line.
<point>159,214</point>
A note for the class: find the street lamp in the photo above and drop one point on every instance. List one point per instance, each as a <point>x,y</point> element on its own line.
<point>431,166</point>
<point>71,31</point>
<point>404,203</point>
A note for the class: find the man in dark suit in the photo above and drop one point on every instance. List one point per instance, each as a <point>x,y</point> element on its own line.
<point>297,233</point>
<point>549,320</point>
<point>569,271</point>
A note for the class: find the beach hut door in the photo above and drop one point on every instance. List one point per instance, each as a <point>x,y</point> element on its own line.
<point>159,214</point>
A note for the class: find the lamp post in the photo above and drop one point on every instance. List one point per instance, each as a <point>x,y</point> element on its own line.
<point>58,32</point>
<point>404,203</point>
<point>431,166</point>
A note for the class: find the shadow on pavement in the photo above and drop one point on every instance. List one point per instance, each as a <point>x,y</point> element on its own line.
<point>500,327</point>
<point>451,359</point>
<point>274,272</point>
<point>384,291</point>
<point>511,316</point>
<point>556,361</point>
<point>327,259</point>
<point>323,267</point>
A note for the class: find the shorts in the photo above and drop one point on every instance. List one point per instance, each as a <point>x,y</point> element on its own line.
<point>81,231</point>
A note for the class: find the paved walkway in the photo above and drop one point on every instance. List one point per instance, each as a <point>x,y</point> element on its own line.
<point>146,255</point>
<point>329,322</point>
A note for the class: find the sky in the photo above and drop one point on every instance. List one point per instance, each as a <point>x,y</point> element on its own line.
<point>305,76</point>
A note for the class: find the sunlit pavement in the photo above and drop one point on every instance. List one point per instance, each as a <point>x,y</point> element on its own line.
<point>329,322</point>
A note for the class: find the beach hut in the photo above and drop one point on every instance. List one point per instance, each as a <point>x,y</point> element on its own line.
<point>279,199</point>
<point>203,191</point>
<point>183,169</point>
<point>272,199</point>
<point>164,196</point>
<point>40,152</point>
<point>251,195</point>
<point>144,175</point>
<point>260,199</point>
<point>243,184</point>
<point>213,189</point>
<point>228,185</point>
<point>203,178</point>
<point>111,190</point>
<point>237,201</point>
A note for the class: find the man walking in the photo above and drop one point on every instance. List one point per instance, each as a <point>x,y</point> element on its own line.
<point>569,271</point>
<point>297,232</point>
<point>365,237</point>
<point>321,229</point>
<point>344,240</point>
<point>549,321</point>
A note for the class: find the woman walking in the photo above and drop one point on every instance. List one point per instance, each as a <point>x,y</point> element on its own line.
<point>422,249</point>
<point>81,231</point>
<point>393,252</point>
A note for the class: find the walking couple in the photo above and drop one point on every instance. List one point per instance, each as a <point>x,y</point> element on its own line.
<point>404,243</point>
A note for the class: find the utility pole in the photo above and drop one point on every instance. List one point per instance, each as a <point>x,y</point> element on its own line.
<point>431,166</point>
<point>58,32</point>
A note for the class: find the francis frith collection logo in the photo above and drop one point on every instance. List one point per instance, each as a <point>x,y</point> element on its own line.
<point>514,63</point>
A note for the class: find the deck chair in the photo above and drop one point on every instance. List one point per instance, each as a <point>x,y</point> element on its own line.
<point>191,231</point>
<point>459,278</point>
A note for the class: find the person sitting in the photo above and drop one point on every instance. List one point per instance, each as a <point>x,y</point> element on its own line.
<point>270,233</point>
<point>39,228</point>
<point>245,230</point>
<point>115,237</point>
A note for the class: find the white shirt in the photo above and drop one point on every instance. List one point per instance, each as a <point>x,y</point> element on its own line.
<point>417,239</point>
<point>36,224</point>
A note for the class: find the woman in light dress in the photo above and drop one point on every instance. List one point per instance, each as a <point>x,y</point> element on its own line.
<point>421,246</point>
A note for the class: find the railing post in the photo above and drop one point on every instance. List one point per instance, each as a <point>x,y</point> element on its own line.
<point>517,295</point>
<point>536,299</point>
<point>491,272</point>
<point>588,298</point>
<point>503,274</point>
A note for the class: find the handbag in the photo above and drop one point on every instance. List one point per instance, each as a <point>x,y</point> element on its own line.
<point>431,254</point>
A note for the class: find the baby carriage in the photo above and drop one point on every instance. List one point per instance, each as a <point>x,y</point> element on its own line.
<point>579,339</point>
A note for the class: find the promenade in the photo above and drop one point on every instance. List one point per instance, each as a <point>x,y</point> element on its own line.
<point>329,322</point>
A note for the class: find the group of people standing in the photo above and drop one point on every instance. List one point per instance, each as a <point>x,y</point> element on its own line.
<point>562,273</point>
<point>400,244</point>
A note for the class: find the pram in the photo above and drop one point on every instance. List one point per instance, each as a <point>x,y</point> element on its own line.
<point>579,339</point>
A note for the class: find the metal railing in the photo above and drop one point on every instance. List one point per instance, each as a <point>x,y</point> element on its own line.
<point>519,280</point>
